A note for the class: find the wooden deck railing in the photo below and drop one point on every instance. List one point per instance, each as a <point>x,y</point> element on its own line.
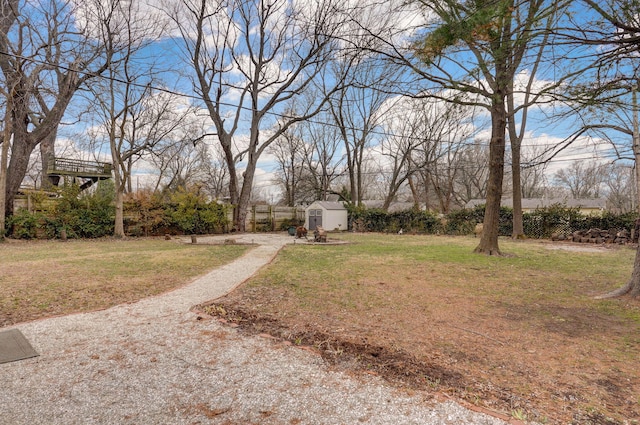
<point>80,168</point>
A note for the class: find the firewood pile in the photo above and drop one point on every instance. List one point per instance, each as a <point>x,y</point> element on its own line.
<point>597,236</point>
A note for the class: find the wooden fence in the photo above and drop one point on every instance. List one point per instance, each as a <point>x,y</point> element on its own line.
<point>266,218</point>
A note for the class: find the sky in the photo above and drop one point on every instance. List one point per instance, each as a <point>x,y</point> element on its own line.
<point>542,132</point>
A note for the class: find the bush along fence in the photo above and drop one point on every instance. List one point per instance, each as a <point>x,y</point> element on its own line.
<point>71,214</point>
<point>79,215</point>
<point>556,220</point>
<point>178,213</point>
<point>75,214</point>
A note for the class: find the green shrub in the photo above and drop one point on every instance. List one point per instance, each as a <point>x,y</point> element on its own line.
<point>378,220</point>
<point>81,215</point>
<point>544,222</point>
<point>541,223</point>
<point>23,225</point>
<point>463,221</point>
<point>290,222</point>
<point>192,214</point>
<point>610,221</point>
<point>85,215</point>
<point>145,214</point>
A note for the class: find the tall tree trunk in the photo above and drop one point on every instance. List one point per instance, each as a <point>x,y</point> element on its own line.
<point>426,179</point>
<point>128,175</point>
<point>489,241</point>
<point>244,198</point>
<point>352,182</point>
<point>636,145</point>
<point>20,153</point>
<point>4,159</point>
<point>118,230</point>
<point>8,15</point>
<point>118,227</point>
<point>291,184</point>
<point>516,181</point>
<point>23,142</point>
<point>414,193</point>
<point>47,153</point>
<point>234,198</point>
<point>634,282</point>
<point>632,287</point>
<point>518,226</point>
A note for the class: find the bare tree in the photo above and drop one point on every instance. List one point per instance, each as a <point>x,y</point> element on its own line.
<point>452,129</point>
<point>358,110</point>
<point>322,164</point>
<point>473,175</point>
<point>475,50</point>
<point>620,187</point>
<point>288,151</point>
<point>398,155</point>
<point>4,157</point>
<point>583,179</point>
<point>132,129</point>
<point>604,97</point>
<point>182,162</point>
<point>215,174</point>
<point>47,55</point>
<point>618,45</point>
<point>250,59</point>
<point>614,80</point>
<point>185,163</point>
<point>134,117</point>
<point>183,158</point>
<point>533,176</point>
<point>424,138</point>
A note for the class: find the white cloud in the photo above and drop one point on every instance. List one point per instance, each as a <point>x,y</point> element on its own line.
<point>146,19</point>
<point>394,21</point>
<point>553,150</point>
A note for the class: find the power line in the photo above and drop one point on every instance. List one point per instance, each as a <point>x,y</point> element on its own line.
<point>373,132</point>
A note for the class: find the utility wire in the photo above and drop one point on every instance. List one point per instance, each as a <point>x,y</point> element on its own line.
<point>375,132</point>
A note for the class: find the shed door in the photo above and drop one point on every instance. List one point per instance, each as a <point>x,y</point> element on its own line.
<point>315,219</point>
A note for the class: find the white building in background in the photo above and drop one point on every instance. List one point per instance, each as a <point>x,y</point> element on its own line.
<point>586,206</point>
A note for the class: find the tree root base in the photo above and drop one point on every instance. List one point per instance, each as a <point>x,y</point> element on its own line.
<point>492,252</point>
<point>628,289</point>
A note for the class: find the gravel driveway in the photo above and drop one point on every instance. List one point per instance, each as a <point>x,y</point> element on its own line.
<point>155,362</point>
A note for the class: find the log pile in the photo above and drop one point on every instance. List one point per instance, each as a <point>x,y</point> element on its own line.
<point>596,236</point>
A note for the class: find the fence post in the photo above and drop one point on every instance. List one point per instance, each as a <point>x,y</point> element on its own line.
<point>253,219</point>
<point>272,217</point>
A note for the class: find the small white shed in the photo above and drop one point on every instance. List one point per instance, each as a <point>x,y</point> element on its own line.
<point>329,215</point>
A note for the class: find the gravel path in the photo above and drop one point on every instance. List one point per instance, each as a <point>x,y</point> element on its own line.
<point>154,362</point>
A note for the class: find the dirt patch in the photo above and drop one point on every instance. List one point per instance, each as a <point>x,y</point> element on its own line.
<point>580,247</point>
<point>394,364</point>
<point>515,345</point>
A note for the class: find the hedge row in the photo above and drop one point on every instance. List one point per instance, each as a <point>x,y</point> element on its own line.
<point>541,223</point>
<point>182,212</point>
<point>71,215</point>
<point>77,215</point>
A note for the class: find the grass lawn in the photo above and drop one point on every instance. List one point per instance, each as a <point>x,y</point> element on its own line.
<point>521,335</point>
<point>48,278</point>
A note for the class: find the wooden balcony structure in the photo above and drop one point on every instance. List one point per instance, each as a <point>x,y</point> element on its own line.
<point>89,172</point>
